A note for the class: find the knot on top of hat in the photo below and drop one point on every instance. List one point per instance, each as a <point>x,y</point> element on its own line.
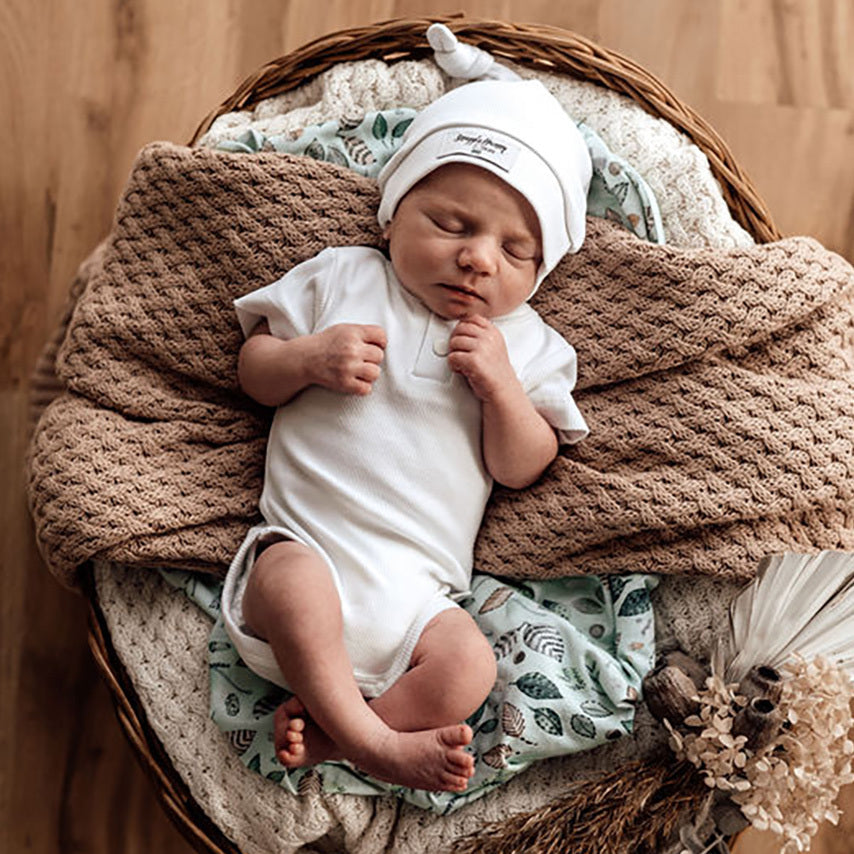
<point>464,61</point>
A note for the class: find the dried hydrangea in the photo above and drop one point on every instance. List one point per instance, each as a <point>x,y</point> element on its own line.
<point>790,785</point>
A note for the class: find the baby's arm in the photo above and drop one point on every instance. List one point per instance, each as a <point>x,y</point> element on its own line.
<point>518,443</point>
<point>345,358</point>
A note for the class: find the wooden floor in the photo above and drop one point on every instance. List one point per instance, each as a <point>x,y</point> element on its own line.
<point>85,83</point>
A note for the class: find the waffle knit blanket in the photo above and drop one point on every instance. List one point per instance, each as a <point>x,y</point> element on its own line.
<point>718,385</point>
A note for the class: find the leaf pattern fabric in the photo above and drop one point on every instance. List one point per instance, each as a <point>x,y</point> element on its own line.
<point>571,655</point>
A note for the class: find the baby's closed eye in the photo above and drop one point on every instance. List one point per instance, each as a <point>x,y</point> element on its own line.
<point>521,250</point>
<point>450,224</point>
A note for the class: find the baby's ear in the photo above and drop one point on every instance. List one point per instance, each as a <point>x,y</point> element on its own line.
<point>386,231</point>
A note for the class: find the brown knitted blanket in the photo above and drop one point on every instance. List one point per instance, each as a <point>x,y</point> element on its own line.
<point>718,385</point>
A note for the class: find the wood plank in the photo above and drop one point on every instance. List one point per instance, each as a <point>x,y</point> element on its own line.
<point>808,181</point>
<point>674,40</point>
<point>25,209</point>
<point>790,53</point>
<point>84,85</point>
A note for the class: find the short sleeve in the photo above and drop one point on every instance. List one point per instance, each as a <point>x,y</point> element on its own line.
<point>294,304</point>
<point>548,379</point>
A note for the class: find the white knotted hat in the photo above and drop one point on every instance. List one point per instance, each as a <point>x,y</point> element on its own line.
<point>515,129</point>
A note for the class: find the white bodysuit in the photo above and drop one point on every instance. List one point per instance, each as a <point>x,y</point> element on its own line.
<point>389,488</point>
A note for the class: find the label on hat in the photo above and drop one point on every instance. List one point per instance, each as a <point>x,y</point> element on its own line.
<point>480,143</point>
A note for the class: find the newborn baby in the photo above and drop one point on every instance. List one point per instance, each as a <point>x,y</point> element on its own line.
<point>403,386</point>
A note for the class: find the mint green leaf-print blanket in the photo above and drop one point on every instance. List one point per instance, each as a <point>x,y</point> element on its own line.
<point>571,656</point>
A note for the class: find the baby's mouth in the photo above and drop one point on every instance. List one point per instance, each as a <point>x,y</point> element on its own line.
<point>464,291</point>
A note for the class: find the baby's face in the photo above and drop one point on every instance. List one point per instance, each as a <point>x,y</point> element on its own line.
<point>465,242</point>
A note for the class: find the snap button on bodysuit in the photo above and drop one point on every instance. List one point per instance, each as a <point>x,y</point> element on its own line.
<point>441,346</point>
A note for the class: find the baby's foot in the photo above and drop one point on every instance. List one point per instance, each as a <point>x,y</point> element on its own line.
<point>298,740</point>
<point>430,759</point>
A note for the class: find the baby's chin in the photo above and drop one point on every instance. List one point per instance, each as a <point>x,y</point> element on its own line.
<point>462,313</point>
<point>456,314</point>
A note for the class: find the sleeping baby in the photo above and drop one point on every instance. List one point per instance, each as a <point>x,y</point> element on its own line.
<point>403,386</point>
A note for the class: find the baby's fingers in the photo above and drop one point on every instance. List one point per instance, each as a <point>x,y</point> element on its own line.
<point>362,381</point>
<point>462,343</point>
<point>462,361</point>
<point>372,334</point>
<point>360,388</point>
<point>373,353</point>
<point>374,342</point>
<point>369,372</point>
<point>475,320</point>
<point>473,326</point>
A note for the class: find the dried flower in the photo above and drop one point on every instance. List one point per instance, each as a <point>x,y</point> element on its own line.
<point>790,785</point>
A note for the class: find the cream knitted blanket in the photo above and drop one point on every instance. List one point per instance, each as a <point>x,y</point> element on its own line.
<point>718,385</point>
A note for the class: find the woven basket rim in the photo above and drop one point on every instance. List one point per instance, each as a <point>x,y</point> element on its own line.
<point>539,46</point>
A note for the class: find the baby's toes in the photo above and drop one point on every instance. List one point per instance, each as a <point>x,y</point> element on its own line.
<point>288,733</point>
<point>460,763</point>
<point>287,719</point>
<point>456,736</point>
<point>454,782</point>
<point>294,735</point>
<point>291,756</point>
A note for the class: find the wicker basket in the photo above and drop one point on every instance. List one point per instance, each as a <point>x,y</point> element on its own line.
<point>541,47</point>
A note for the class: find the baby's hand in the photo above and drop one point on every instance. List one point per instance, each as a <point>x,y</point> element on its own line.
<point>348,357</point>
<point>478,352</point>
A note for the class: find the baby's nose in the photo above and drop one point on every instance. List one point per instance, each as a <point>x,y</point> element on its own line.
<point>480,255</point>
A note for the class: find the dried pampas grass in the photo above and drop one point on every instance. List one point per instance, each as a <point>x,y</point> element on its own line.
<point>637,809</point>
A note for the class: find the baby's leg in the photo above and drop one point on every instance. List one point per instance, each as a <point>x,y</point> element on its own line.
<point>291,601</point>
<point>451,674</point>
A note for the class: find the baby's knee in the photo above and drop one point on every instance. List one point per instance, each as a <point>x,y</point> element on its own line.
<point>479,662</point>
<point>471,669</point>
<point>282,577</point>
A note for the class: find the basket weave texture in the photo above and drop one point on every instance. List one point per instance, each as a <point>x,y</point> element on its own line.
<point>541,47</point>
